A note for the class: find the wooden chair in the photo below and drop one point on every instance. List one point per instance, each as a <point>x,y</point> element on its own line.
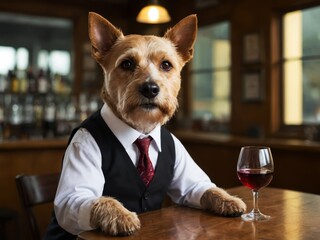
<point>35,190</point>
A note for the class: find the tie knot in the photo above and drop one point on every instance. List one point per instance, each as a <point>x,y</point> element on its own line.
<point>143,144</point>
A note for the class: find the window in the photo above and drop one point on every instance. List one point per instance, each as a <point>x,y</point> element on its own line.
<point>10,58</point>
<point>46,43</point>
<point>301,64</point>
<point>22,58</point>
<point>57,61</point>
<point>210,73</point>
<point>7,59</point>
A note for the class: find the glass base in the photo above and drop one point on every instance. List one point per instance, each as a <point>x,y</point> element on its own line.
<point>255,216</point>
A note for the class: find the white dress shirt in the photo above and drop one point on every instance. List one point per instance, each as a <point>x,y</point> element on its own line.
<point>82,179</point>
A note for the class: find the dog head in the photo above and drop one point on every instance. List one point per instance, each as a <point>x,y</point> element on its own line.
<point>142,72</point>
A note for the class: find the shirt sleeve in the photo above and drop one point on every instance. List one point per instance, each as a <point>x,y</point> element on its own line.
<point>189,180</point>
<point>81,183</point>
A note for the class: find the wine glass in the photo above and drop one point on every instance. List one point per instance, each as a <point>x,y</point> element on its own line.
<point>255,171</point>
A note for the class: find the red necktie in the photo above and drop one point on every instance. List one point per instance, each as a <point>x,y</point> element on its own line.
<point>145,168</point>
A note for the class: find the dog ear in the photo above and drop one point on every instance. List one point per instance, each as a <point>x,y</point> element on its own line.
<point>102,35</point>
<point>183,35</point>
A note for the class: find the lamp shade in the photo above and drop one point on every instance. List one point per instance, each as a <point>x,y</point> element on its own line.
<point>153,14</point>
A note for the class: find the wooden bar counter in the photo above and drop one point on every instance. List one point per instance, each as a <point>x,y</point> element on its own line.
<point>294,216</point>
<point>297,162</point>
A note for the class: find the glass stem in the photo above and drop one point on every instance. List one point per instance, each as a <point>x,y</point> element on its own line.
<point>255,202</point>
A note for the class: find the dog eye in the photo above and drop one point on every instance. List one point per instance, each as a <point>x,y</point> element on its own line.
<point>128,65</point>
<point>166,66</point>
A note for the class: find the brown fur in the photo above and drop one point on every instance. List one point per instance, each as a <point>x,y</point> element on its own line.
<point>113,218</point>
<point>220,202</point>
<point>149,55</point>
<point>111,47</point>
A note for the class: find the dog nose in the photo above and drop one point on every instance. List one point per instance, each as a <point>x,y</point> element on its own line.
<point>149,89</point>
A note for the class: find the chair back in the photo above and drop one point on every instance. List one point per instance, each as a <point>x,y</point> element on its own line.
<point>36,190</point>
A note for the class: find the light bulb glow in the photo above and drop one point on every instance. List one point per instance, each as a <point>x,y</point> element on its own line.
<point>153,14</point>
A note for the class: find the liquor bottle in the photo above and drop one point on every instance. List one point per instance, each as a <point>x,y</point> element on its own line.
<point>28,117</point>
<point>49,121</point>
<point>2,120</point>
<point>49,78</point>
<point>72,113</point>
<point>83,106</point>
<point>3,83</point>
<point>38,107</point>
<point>42,82</point>
<point>32,81</point>
<point>13,81</point>
<point>23,81</point>
<point>94,104</point>
<point>62,128</point>
<point>15,117</point>
<point>7,112</point>
<point>57,82</point>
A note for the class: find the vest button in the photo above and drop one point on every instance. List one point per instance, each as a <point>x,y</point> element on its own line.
<point>146,196</point>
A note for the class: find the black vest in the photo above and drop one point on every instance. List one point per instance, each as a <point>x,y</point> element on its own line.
<point>122,180</point>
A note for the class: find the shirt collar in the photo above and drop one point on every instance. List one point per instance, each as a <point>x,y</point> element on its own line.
<point>126,134</point>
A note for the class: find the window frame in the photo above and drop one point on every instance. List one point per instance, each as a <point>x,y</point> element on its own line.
<point>278,127</point>
<point>213,125</point>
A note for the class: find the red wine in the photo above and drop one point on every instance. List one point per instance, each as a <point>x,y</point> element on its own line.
<point>255,178</point>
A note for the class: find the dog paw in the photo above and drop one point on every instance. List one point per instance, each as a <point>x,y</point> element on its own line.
<point>113,218</point>
<point>220,202</point>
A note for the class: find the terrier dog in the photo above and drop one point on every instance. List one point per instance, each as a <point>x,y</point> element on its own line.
<point>141,84</point>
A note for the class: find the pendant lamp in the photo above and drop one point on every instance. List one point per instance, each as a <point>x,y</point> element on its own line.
<point>153,13</point>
